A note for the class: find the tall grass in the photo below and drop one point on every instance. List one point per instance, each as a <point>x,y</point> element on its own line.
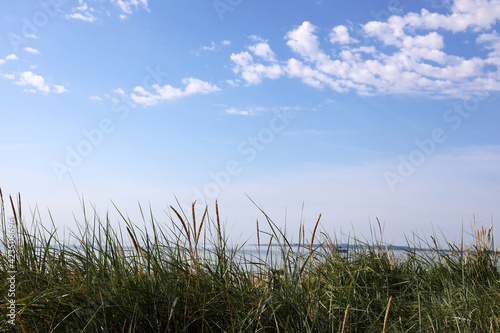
<point>184,276</point>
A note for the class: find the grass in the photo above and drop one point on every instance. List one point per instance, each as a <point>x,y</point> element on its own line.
<point>183,276</point>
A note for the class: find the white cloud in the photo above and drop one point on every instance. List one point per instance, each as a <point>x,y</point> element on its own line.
<point>31,36</point>
<point>254,73</point>
<point>340,35</point>
<point>491,41</point>
<point>263,50</point>
<point>234,83</point>
<point>95,98</point>
<point>304,42</point>
<point>119,91</point>
<point>127,5</point>
<point>212,47</point>
<point>310,76</point>
<point>59,89</point>
<point>83,6</point>
<point>167,92</point>
<point>83,13</point>
<point>9,76</point>
<point>416,61</point>
<point>11,57</point>
<point>87,17</point>
<point>31,50</point>
<point>37,81</point>
<point>239,112</point>
<point>246,112</point>
<point>2,61</point>
<point>208,48</point>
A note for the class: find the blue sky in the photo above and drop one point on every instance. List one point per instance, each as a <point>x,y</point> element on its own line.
<point>355,110</point>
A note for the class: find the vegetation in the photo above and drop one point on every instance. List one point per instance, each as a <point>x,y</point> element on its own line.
<point>185,277</point>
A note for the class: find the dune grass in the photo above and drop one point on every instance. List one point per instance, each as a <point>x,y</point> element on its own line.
<point>183,276</point>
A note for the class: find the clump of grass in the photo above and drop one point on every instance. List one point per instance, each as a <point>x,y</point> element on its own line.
<point>184,276</point>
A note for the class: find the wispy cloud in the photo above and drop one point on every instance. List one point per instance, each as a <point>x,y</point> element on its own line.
<point>308,132</point>
<point>31,50</point>
<point>402,55</point>
<point>167,92</point>
<point>245,112</point>
<point>255,110</point>
<point>87,17</point>
<point>9,76</point>
<point>59,89</point>
<point>214,46</point>
<point>82,13</point>
<point>128,6</point>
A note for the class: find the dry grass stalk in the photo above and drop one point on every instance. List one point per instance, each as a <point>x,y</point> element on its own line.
<point>268,247</point>
<point>492,326</point>
<point>185,229</point>
<point>314,231</point>
<point>218,222</point>
<point>258,235</point>
<point>194,221</point>
<point>303,238</point>
<point>19,208</point>
<point>387,314</point>
<point>345,318</point>
<point>2,212</point>
<point>135,244</point>
<point>13,210</point>
<point>197,236</point>
<point>380,231</point>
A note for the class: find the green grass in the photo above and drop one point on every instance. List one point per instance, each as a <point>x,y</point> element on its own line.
<point>183,276</point>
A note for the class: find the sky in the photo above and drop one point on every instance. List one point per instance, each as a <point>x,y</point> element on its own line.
<point>358,110</point>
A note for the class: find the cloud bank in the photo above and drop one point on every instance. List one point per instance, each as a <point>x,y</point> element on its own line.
<point>402,55</point>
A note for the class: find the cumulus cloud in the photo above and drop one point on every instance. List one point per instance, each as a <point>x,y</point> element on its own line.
<point>252,72</point>
<point>36,83</point>
<point>263,50</point>
<point>405,54</point>
<point>192,86</point>
<point>31,79</point>
<point>304,42</point>
<point>340,34</point>
<point>11,57</point>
